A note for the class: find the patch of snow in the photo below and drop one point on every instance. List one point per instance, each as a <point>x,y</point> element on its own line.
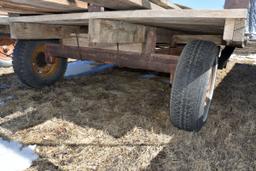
<point>245,57</point>
<point>253,37</point>
<point>83,68</point>
<point>241,58</point>
<point>5,63</point>
<point>15,157</point>
<point>149,75</point>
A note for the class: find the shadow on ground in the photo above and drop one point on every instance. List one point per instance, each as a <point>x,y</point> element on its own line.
<point>104,101</point>
<point>109,113</point>
<point>226,142</point>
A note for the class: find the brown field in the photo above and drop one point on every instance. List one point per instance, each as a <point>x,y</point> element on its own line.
<point>118,120</point>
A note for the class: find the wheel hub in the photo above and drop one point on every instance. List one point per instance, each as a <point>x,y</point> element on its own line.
<point>41,65</point>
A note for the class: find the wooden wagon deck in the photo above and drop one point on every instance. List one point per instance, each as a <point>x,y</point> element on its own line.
<point>200,21</point>
<point>225,27</point>
<point>56,6</point>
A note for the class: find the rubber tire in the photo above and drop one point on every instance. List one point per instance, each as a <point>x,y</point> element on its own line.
<point>22,64</point>
<point>190,83</point>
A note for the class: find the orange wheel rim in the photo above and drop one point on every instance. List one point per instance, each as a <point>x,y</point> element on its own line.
<point>40,65</point>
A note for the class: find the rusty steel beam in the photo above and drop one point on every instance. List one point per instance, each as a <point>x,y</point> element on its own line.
<point>153,62</point>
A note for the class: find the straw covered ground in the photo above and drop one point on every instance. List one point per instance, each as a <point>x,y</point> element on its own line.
<point>119,120</point>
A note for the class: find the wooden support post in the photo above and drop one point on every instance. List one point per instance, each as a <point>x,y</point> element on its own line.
<point>234,32</point>
<point>239,32</point>
<point>150,44</point>
<point>229,30</point>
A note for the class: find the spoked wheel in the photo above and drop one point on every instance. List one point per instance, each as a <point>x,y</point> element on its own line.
<point>193,85</point>
<point>32,66</point>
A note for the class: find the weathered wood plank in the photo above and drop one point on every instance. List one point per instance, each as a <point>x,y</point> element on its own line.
<point>126,4</point>
<point>234,33</point>
<point>54,4</point>
<point>193,21</point>
<point>82,40</point>
<point>229,29</point>
<point>41,31</point>
<point>140,15</point>
<point>107,31</point>
<point>165,4</point>
<point>184,39</point>
<point>21,8</point>
<point>121,4</point>
<point>239,31</point>
<point>25,6</point>
<point>150,43</point>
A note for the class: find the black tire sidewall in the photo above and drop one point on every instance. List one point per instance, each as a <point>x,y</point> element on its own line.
<point>190,84</point>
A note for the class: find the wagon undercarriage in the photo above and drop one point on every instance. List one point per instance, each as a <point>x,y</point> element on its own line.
<point>180,41</point>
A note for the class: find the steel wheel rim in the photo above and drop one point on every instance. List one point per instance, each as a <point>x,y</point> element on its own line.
<point>208,95</point>
<point>40,64</point>
<point>210,90</point>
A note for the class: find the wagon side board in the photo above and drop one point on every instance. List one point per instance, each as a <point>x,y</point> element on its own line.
<point>229,23</point>
<point>234,32</point>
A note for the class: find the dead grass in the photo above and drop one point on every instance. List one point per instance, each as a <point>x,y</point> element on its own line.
<point>119,121</point>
